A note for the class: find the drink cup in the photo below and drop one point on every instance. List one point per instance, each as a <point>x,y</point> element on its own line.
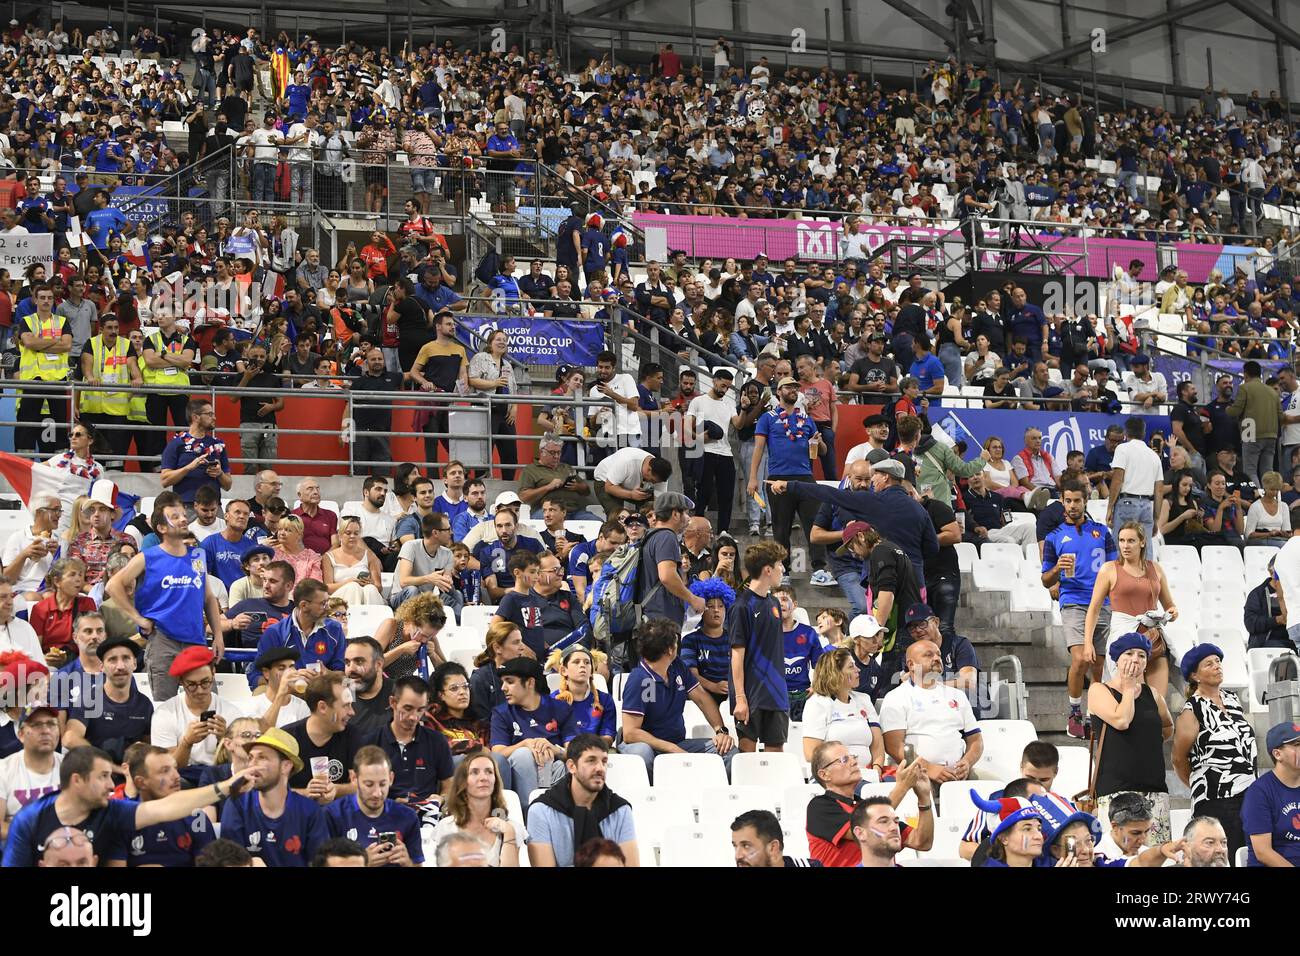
<point>1067,565</point>
<point>320,767</point>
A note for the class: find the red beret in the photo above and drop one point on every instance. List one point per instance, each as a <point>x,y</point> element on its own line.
<point>20,667</point>
<point>189,659</point>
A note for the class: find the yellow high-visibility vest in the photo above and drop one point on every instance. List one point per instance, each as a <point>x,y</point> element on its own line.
<point>111,367</point>
<point>42,366</point>
<point>171,376</point>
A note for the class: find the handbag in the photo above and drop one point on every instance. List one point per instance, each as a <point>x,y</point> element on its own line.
<point>1086,800</point>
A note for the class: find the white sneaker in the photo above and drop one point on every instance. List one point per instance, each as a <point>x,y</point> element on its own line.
<point>822,579</point>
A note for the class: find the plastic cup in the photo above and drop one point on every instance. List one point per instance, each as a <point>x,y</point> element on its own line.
<point>320,767</point>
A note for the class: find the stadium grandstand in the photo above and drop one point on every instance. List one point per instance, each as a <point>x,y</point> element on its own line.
<point>545,435</point>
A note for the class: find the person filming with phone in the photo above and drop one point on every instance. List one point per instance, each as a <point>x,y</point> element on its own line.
<point>196,457</point>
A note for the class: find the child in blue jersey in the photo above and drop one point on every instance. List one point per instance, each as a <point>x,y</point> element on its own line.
<point>531,728</point>
<point>760,700</point>
<point>803,645</point>
<point>593,709</point>
<point>706,651</point>
<point>465,579</point>
<point>388,831</point>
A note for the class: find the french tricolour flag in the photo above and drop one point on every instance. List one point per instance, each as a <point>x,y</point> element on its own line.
<point>35,481</point>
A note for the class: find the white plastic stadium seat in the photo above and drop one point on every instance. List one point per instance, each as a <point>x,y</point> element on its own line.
<point>906,810</point>
<point>767,769</point>
<point>233,687</point>
<point>691,773</point>
<point>1178,820</point>
<point>1004,742</point>
<point>697,846</point>
<point>474,618</point>
<point>1180,563</point>
<point>1071,771</point>
<point>1256,560</point>
<point>626,775</point>
<point>654,811</point>
<point>1221,559</point>
<point>719,806</point>
<point>954,797</point>
<point>794,803</point>
<point>364,619</point>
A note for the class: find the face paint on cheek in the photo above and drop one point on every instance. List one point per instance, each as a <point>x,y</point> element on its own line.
<point>879,835</point>
<point>1024,843</point>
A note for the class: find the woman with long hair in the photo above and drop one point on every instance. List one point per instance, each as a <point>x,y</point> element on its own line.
<point>490,373</point>
<point>1214,744</point>
<point>1223,514</point>
<point>476,792</point>
<point>306,563</point>
<point>1180,520</point>
<point>593,709</point>
<point>836,710</point>
<point>1130,723</point>
<point>448,713</point>
<point>503,642</point>
<point>1134,585</point>
<point>352,571</point>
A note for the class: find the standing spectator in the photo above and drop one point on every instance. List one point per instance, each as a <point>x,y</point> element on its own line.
<point>760,699</point>
<point>108,359</point>
<point>167,356</point>
<point>1214,745</point>
<point>1268,810</point>
<point>1131,723</point>
<point>198,448</point>
<point>822,409</point>
<point>257,438</point>
<point>171,601</point>
<point>411,320</point>
<point>440,366</point>
<point>265,143</point>
<point>1260,413</point>
<point>1136,470</point>
<point>373,393</point>
<point>792,441</point>
<point>44,340</point>
<point>714,416</point>
<point>491,373</point>
<point>580,807</point>
<point>615,429</point>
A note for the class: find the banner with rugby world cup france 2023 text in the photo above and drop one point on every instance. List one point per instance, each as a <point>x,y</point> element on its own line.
<point>1063,432</point>
<point>537,341</point>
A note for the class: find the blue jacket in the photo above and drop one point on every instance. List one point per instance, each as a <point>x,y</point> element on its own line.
<point>892,512</point>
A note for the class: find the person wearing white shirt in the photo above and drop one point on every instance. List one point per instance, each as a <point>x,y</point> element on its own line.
<point>15,633</point>
<point>835,711</point>
<point>621,479</point>
<point>1286,565</point>
<point>266,153</point>
<point>621,388</point>
<point>378,527</point>
<point>931,716</point>
<point>308,140</point>
<point>1136,471</point>
<point>33,771</point>
<point>761,74</point>
<point>715,413</point>
<point>277,668</point>
<point>29,552</point>
<point>1147,389</point>
<point>176,723</point>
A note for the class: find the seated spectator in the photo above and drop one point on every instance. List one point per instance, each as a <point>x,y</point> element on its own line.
<point>1268,520</point>
<point>706,652</point>
<point>1016,833</point>
<point>531,727</point>
<point>654,701</point>
<point>352,571</point>
<point>226,549</point>
<point>254,616</point>
<point>960,667</point>
<point>52,616</point>
<point>122,715</point>
<point>319,532</point>
<point>448,712</point>
<point>837,711</point>
<point>494,556</point>
<point>829,815</point>
<point>319,639</point>
<point>425,566</point>
<point>419,758</point>
<point>1269,806</point>
<point>388,831</point>
<point>562,615</point>
<point>153,775</point>
<point>326,741</point>
<point>29,552</point>
<point>274,703</point>
<point>1131,824</point>
<point>611,536</point>
<point>757,841</point>
<point>363,666</point>
<point>877,832</point>
<point>409,639</point>
<point>1205,844</point>
<point>933,717</point>
<point>1264,615</point>
<point>549,478</point>
<point>92,546</point>
<point>593,709</point>
<point>1035,471</point>
<point>988,516</point>
<point>475,512</point>
<point>580,808</point>
<point>192,724</point>
<point>503,643</point>
<point>476,810</point>
<point>289,548</point>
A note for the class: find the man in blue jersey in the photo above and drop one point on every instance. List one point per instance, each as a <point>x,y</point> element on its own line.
<point>595,247</point>
<point>171,600</point>
<point>225,551</point>
<point>274,824</point>
<point>803,646</point>
<point>418,759</point>
<point>388,831</point>
<point>120,715</point>
<point>503,152</point>
<point>612,535</point>
<point>531,728</point>
<point>82,802</point>
<point>318,638</point>
<point>654,701</point>
<point>254,616</point>
<point>504,285</point>
<point>494,555</point>
<point>760,700</point>
<point>176,842</point>
<point>1073,553</point>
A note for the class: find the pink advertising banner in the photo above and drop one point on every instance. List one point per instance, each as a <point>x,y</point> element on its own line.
<point>718,237</point>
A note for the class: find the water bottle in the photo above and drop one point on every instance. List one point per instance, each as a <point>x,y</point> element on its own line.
<point>798,561</point>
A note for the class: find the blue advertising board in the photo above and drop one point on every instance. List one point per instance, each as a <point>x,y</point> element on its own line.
<point>535,340</point>
<point>1063,432</point>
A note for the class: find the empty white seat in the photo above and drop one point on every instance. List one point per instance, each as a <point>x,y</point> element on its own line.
<point>932,861</point>
<point>954,797</point>
<point>767,769</point>
<point>795,839</point>
<point>588,529</point>
<point>233,686</point>
<point>654,811</point>
<point>1256,559</point>
<point>455,638</point>
<point>948,830</point>
<point>794,803</point>
<point>690,772</point>
<point>1178,820</point>
<point>1004,742</point>
<point>696,846</point>
<point>967,555</point>
<point>364,619</point>
<point>463,656</point>
<point>475,617</point>
<point>1071,771</point>
<point>1180,563</point>
<point>1097,510</point>
<point>906,810</point>
<point>626,774</point>
<point>1218,559</point>
<point>719,806</point>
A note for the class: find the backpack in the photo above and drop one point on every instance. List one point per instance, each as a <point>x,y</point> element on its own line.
<point>488,267</point>
<point>615,609</point>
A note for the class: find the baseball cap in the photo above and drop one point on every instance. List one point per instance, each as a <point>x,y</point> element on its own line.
<point>27,713</point>
<point>523,667</point>
<point>865,625</point>
<point>503,499</point>
<point>1282,734</point>
<point>917,613</point>
<point>786,381</point>
<point>635,517</point>
<point>282,743</point>
<point>1140,359</point>
<point>673,501</point>
<point>851,531</point>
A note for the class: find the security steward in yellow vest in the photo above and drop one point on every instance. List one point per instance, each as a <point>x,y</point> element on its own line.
<point>44,343</point>
<point>109,359</point>
<point>168,357</point>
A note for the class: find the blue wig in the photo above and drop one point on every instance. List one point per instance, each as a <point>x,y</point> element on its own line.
<point>714,588</point>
